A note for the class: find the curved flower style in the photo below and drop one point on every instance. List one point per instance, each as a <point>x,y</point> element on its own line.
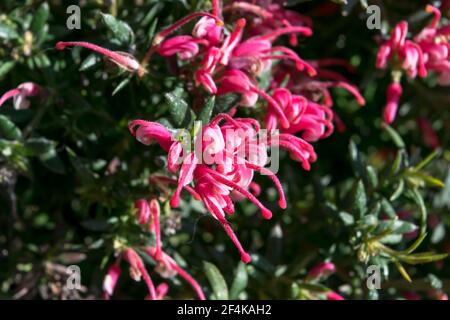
<point>20,95</point>
<point>122,59</point>
<point>222,168</point>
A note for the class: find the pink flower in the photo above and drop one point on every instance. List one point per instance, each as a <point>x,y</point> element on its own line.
<point>237,154</point>
<point>394,92</point>
<point>123,60</point>
<point>137,270</point>
<point>143,210</point>
<point>312,119</point>
<point>207,28</point>
<point>20,95</point>
<point>322,269</point>
<point>408,53</point>
<point>110,280</point>
<point>161,291</point>
<point>185,46</point>
<point>435,46</point>
<point>237,81</point>
<point>334,296</point>
<point>148,131</point>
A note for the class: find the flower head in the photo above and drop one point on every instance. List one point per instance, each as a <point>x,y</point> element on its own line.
<point>20,95</point>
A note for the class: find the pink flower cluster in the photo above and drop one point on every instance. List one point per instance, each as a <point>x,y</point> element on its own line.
<point>232,63</point>
<point>427,51</point>
<point>148,215</point>
<point>218,62</point>
<point>221,172</point>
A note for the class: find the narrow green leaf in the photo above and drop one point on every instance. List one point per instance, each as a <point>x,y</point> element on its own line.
<point>120,30</point>
<point>360,199</point>
<point>402,271</point>
<point>90,61</point>
<point>240,281</point>
<point>395,137</point>
<point>398,190</point>
<point>427,160</point>
<point>207,111</point>
<point>215,278</point>
<point>7,32</point>
<point>8,129</point>
<point>178,107</point>
<point>39,21</point>
<point>6,67</point>
<point>121,85</point>
<point>346,218</point>
<point>38,146</point>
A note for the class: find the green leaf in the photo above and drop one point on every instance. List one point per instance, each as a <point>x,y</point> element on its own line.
<point>420,179</point>
<point>395,137</point>
<point>7,32</point>
<point>397,226</point>
<point>38,146</point>
<point>8,129</point>
<point>346,218</point>
<point>178,107</point>
<point>417,197</point>
<point>438,233</point>
<point>356,161</point>
<point>52,161</point>
<point>207,111</point>
<point>387,208</point>
<point>372,176</point>
<point>6,67</point>
<point>427,160</point>
<point>120,30</point>
<point>402,271</point>
<point>39,21</point>
<point>425,257</point>
<point>225,102</point>
<point>398,190</point>
<point>240,281</point>
<point>215,278</point>
<point>90,61</point>
<point>360,199</point>
<point>399,162</point>
<point>121,85</point>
